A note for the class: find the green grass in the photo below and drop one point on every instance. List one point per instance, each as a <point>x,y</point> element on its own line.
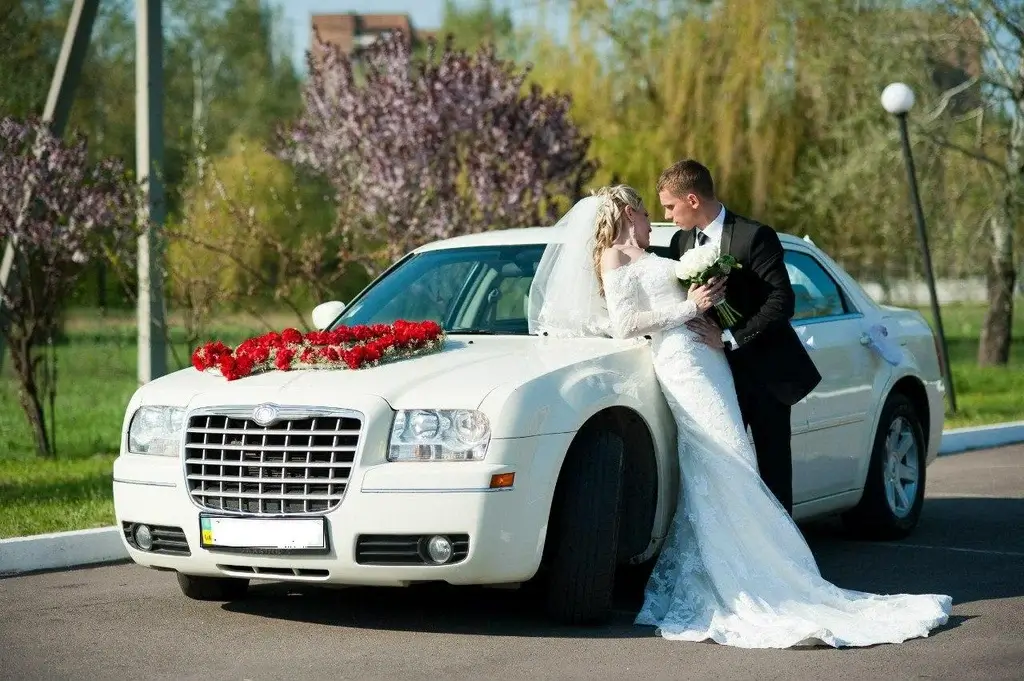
<point>96,374</point>
<point>984,395</point>
<point>96,378</point>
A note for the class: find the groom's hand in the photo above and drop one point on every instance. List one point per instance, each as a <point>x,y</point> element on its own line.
<point>707,331</point>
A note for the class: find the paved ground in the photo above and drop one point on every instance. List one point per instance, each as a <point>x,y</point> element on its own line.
<point>125,622</point>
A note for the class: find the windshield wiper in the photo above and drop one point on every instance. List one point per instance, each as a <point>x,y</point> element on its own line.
<point>471,332</point>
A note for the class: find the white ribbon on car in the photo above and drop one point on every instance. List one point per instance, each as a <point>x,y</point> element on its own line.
<point>887,349</point>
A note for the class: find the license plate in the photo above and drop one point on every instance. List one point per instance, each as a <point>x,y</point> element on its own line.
<point>263,534</point>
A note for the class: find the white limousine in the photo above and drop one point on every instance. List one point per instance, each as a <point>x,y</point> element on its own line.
<point>469,465</point>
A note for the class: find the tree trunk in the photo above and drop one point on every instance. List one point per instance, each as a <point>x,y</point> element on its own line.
<point>30,399</point>
<point>996,331</point>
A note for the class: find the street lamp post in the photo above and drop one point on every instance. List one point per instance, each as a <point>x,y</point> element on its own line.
<point>898,99</point>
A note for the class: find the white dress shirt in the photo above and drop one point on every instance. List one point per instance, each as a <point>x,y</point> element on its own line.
<point>713,231</point>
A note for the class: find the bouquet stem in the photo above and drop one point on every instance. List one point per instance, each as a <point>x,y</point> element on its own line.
<point>727,314</point>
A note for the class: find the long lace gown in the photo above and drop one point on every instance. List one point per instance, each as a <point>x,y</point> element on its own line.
<point>735,568</point>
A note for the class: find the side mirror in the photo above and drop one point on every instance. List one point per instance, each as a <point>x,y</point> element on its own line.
<point>325,313</point>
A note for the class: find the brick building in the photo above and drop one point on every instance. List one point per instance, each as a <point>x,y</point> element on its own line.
<point>351,31</point>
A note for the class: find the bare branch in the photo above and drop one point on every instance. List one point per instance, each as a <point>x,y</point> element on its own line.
<point>235,259</point>
<point>989,40</point>
<point>970,153</point>
<point>947,97</point>
<point>1003,18</point>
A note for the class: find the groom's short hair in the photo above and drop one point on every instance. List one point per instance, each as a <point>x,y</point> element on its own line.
<point>686,177</point>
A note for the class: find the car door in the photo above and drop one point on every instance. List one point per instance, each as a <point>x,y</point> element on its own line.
<point>836,415</point>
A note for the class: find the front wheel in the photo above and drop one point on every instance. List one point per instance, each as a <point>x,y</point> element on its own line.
<point>894,489</point>
<point>584,532</point>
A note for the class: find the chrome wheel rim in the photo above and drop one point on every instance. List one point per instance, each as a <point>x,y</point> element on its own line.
<point>901,470</point>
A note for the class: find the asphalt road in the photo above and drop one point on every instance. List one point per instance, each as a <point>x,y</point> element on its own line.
<point>126,622</point>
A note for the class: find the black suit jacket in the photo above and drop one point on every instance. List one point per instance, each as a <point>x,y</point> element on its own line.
<point>770,355</point>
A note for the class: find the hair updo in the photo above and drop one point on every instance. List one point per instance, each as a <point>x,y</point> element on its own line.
<point>610,218</point>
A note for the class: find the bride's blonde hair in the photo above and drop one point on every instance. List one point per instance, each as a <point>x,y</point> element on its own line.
<point>610,219</point>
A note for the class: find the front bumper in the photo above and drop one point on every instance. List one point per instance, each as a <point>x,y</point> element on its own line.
<point>506,528</point>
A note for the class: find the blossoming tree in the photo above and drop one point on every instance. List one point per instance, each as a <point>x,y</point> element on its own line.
<point>421,149</point>
<point>62,211</point>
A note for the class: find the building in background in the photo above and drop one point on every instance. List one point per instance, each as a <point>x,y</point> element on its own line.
<point>351,31</point>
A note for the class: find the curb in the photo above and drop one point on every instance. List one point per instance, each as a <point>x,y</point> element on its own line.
<point>959,440</point>
<point>62,550</point>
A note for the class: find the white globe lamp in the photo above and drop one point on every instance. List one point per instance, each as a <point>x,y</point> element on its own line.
<point>897,98</point>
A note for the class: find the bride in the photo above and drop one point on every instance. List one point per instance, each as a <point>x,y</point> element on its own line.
<point>735,568</point>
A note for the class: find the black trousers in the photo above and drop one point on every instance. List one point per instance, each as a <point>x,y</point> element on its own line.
<point>770,425</point>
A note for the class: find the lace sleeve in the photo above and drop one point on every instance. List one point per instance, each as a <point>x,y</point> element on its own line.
<point>629,319</point>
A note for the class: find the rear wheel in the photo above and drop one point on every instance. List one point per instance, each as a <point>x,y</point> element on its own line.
<point>894,489</point>
<point>213,588</point>
<point>584,532</point>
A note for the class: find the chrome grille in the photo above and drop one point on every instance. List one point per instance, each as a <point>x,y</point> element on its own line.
<point>297,465</point>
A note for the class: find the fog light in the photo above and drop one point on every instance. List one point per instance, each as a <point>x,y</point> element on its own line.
<point>143,537</point>
<point>439,549</point>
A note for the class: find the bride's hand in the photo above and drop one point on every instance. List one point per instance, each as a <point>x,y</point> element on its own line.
<point>706,296</point>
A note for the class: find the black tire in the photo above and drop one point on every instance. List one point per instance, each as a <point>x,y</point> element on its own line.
<point>874,516</point>
<point>213,588</point>
<point>584,532</point>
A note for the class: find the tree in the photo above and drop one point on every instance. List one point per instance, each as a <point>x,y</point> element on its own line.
<point>995,139</point>
<point>656,82</point>
<point>845,54</point>
<point>226,77</point>
<point>417,150</point>
<point>480,23</point>
<point>31,35</point>
<point>63,212</point>
<point>248,235</point>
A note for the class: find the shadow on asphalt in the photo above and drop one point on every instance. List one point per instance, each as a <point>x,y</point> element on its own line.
<point>969,548</point>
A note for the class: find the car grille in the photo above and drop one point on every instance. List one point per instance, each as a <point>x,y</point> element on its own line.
<point>297,465</point>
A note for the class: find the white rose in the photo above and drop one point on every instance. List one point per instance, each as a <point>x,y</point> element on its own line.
<point>696,260</point>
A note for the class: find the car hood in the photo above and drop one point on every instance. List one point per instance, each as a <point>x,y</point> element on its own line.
<point>460,376</point>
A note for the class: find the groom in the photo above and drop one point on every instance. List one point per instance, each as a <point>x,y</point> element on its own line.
<point>770,366</point>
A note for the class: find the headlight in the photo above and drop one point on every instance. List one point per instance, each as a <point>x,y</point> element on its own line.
<point>156,430</point>
<point>439,435</point>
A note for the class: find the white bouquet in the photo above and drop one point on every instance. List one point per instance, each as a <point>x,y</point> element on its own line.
<point>703,263</point>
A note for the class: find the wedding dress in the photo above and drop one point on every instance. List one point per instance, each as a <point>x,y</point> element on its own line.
<point>735,568</point>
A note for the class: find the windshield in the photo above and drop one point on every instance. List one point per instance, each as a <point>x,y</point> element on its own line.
<point>483,289</point>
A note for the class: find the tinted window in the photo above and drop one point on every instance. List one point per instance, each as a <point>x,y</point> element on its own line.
<point>817,294</point>
<point>478,289</point>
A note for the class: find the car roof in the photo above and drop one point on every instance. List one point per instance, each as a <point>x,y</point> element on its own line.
<point>661,235</point>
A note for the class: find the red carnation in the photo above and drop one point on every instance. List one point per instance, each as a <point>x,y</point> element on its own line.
<point>292,336</point>
<point>283,361</point>
<point>227,367</point>
<point>243,366</point>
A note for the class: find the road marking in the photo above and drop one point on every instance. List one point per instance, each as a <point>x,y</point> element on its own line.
<point>1015,554</point>
<point>953,495</point>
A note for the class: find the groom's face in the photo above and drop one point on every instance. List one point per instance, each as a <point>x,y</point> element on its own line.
<point>682,211</point>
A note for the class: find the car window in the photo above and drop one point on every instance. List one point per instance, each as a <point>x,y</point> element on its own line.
<point>817,293</point>
<point>430,295</point>
<point>479,289</point>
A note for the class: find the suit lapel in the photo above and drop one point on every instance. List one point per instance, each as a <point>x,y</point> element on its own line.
<point>727,228</point>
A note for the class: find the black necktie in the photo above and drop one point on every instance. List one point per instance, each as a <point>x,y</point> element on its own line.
<point>702,238</point>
